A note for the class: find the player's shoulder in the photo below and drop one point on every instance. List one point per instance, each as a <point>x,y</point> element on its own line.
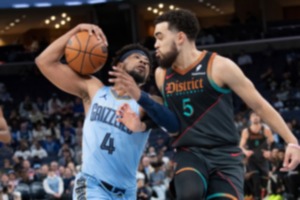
<point>160,71</point>
<point>222,61</point>
<point>93,85</point>
<point>222,65</point>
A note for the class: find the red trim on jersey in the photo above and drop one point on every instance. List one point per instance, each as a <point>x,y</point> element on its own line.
<point>198,119</point>
<point>230,183</point>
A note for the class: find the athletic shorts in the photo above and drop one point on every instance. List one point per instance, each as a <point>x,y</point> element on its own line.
<point>220,170</point>
<point>89,188</point>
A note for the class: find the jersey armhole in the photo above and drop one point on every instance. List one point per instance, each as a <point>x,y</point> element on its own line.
<point>163,88</point>
<point>210,79</point>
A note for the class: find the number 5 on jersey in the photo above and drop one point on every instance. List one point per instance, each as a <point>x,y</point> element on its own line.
<point>188,109</point>
<point>108,144</point>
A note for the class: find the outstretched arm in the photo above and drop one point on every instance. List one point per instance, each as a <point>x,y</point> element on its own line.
<point>227,73</point>
<point>4,131</point>
<point>160,114</point>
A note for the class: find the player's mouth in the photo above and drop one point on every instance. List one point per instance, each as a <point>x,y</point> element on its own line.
<point>157,54</point>
<point>141,69</point>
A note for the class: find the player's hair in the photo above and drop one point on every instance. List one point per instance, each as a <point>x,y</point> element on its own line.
<point>181,20</point>
<point>131,47</point>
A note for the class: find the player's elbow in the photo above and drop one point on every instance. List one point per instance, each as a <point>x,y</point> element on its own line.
<point>38,61</point>
<point>6,138</point>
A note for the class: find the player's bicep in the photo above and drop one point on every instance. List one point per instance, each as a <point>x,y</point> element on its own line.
<point>233,77</point>
<point>63,77</point>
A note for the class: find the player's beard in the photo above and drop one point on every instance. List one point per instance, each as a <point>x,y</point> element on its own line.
<point>139,79</point>
<point>166,60</point>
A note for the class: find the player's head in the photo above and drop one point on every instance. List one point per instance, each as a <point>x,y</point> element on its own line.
<point>254,118</point>
<point>173,29</point>
<point>136,60</point>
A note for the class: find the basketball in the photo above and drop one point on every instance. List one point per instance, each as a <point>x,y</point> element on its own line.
<point>85,54</point>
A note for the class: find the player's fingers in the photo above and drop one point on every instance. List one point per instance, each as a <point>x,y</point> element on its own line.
<point>286,159</point>
<point>91,30</point>
<point>293,164</point>
<point>102,35</point>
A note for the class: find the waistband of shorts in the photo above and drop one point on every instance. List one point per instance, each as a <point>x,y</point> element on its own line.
<point>105,185</point>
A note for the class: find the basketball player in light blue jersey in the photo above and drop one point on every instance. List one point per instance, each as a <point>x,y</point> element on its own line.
<point>111,151</point>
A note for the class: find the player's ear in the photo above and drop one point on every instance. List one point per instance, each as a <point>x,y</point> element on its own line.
<point>120,65</point>
<point>181,37</point>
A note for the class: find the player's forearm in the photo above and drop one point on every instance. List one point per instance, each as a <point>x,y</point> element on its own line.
<point>55,50</point>
<point>276,122</point>
<point>160,114</point>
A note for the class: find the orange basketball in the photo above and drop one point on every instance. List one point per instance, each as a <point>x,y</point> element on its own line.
<point>85,54</point>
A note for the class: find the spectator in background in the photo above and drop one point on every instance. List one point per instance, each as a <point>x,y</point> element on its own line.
<point>54,105</point>
<point>65,146</point>
<point>41,172</point>
<point>23,151</point>
<point>68,179</point>
<point>38,153</point>
<point>244,59</point>
<point>39,131</point>
<point>51,146</point>
<point>147,169</point>
<point>5,96</point>
<point>53,186</point>
<point>41,105</point>
<point>78,107</point>
<point>53,130</point>
<point>24,133</point>
<point>157,180</point>
<point>143,192</point>
<point>26,106</point>
<point>35,115</point>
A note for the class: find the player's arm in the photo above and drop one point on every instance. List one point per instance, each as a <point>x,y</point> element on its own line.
<point>269,135</point>
<point>243,141</point>
<point>227,73</point>
<point>159,78</point>
<point>160,114</point>
<point>60,74</point>
<point>4,130</point>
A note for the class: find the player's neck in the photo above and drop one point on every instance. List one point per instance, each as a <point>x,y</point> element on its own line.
<point>186,58</point>
<point>119,91</point>
<point>255,126</point>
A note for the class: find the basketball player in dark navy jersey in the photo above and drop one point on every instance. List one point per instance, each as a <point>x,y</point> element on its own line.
<point>256,141</point>
<point>197,86</point>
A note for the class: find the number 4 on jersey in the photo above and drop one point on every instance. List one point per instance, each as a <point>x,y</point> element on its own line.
<point>108,144</point>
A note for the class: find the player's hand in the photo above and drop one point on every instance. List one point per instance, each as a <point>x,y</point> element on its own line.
<point>248,153</point>
<point>125,82</point>
<point>266,154</point>
<point>291,158</point>
<point>93,30</point>
<point>130,119</point>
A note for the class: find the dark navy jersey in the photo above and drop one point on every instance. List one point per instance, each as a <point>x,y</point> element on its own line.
<point>257,141</point>
<point>205,110</point>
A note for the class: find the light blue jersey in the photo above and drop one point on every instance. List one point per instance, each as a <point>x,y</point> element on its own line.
<point>111,152</point>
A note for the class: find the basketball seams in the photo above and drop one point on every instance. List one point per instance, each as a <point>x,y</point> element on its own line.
<point>75,57</point>
<point>85,52</point>
<point>82,62</point>
<point>90,55</point>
